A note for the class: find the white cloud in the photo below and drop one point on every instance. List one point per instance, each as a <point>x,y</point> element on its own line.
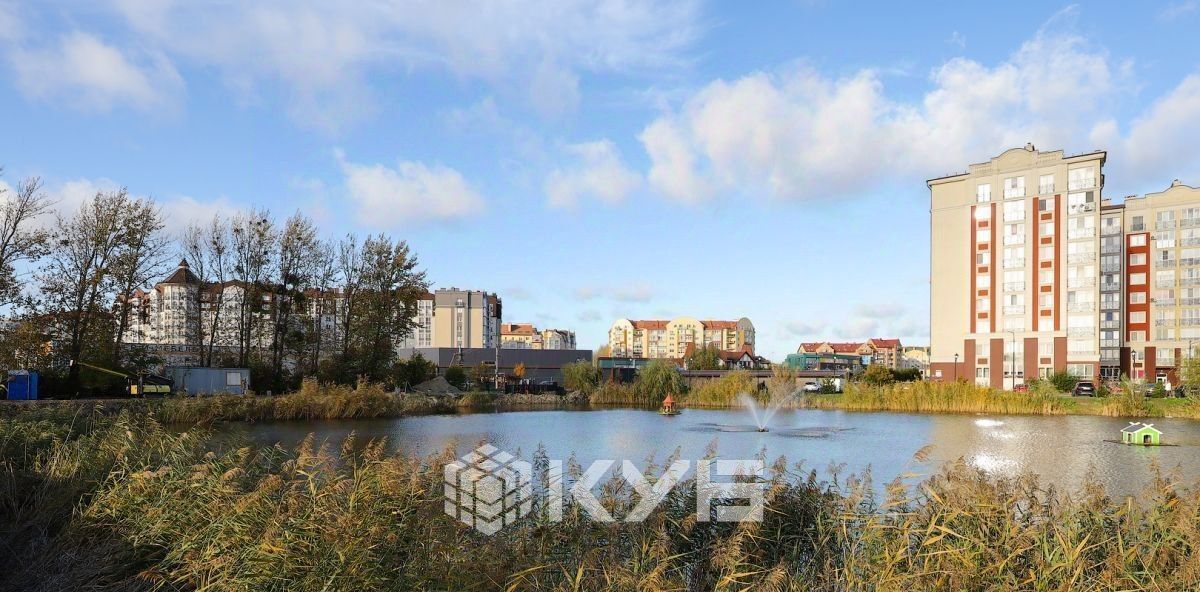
<point>798,134</point>
<point>1180,9</point>
<point>410,192</point>
<point>1160,144</point>
<point>10,24</point>
<point>86,72</point>
<point>586,292</point>
<point>804,329</point>
<point>321,52</point>
<point>589,316</point>
<point>178,211</point>
<point>882,310</point>
<point>597,172</point>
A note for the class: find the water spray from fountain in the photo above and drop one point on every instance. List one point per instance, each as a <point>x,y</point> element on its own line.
<point>762,417</point>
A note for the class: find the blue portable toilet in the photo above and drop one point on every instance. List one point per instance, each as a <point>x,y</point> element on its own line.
<point>22,385</point>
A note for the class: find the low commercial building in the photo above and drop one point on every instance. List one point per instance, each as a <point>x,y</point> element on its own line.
<point>540,364</point>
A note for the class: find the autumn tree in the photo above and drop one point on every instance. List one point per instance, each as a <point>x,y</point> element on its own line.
<point>252,236</point>
<point>20,240</point>
<point>294,271</point>
<point>384,304</point>
<point>209,250</point>
<point>705,357</point>
<point>141,258</point>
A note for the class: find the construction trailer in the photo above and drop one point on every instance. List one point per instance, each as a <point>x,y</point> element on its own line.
<point>191,380</point>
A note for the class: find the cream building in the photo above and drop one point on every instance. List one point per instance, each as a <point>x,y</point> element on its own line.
<point>465,318</point>
<point>1015,257</point>
<point>670,339</point>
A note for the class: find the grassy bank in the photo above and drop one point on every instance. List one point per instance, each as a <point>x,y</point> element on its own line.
<point>119,503</point>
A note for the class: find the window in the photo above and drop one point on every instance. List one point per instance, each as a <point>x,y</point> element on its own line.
<point>1046,300</point>
<point>1137,297</point>
<point>983,304</point>
<point>983,193</point>
<point>1164,239</point>
<point>1079,203</point>
<point>1046,184</point>
<point>981,258</point>
<point>1014,187</point>
<point>983,213</point>
<point>1046,204</point>
<point>981,372</point>
<point>1137,279</point>
<point>1046,276</point>
<point>1014,234</point>
<point>1046,229</point>
<point>1046,253</point>
<point>1137,240</point>
<point>1079,370</point>
<point>1045,349</point>
<point>983,236</point>
<point>1014,210</point>
<point>983,281</point>
<point>1081,178</point>
<point>1014,323</point>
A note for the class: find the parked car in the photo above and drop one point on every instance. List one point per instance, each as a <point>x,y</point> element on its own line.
<point>812,387</point>
<point>1021,388</point>
<point>1084,388</point>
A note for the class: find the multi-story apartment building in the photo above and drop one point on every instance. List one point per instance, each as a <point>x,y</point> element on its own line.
<point>1161,324</point>
<point>422,333</point>
<point>1015,258</point>
<point>885,352</point>
<point>670,339</point>
<point>466,318</point>
<point>558,339</point>
<point>1028,283</point>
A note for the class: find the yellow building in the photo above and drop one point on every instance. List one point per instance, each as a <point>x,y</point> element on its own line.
<point>1014,260</point>
<point>670,339</point>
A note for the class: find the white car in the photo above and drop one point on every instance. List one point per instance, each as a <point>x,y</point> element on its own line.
<point>812,387</point>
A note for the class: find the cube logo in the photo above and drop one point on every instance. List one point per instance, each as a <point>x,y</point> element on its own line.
<point>488,489</point>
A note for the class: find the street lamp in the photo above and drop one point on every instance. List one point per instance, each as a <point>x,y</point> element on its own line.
<point>955,367</point>
<point>1012,365</point>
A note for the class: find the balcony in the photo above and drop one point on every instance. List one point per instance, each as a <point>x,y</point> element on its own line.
<point>1164,283</point>
<point>1081,232</point>
<point>1110,230</point>
<point>1081,282</point>
<point>1110,305</point>
<point>1014,286</point>
<point>1087,257</point>
<point>1110,355</point>
<point>1082,208</point>
<point>1014,216</point>
<point>1110,249</point>
<point>1189,242</point>
<point>1081,306</point>
<point>1077,184</point>
<point>1189,222</point>
<point>1014,239</point>
<point>1189,302</point>
<point>1106,343</point>
<point>1189,281</point>
<point>1107,287</point>
<point>1164,322</point>
<point>1081,352</point>
<point>1189,322</point>
<point>1110,267</point>
<point>1162,263</point>
<point>1045,189</point>
<point>1110,324</point>
<point>1011,263</point>
<point>1080,332</point>
<point>1015,309</point>
<point>1163,301</point>
<point>1164,225</point>
<point>1189,261</point>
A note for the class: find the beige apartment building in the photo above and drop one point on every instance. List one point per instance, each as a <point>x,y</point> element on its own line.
<point>465,318</point>
<point>1014,262</point>
<point>527,336</point>
<point>670,339</point>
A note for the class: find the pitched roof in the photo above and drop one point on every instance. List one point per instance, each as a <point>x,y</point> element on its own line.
<point>884,343</point>
<point>649,324</point>
<point>183,275</point>
<point>719,324</point>
<point>842,348</point>
<point>517,329</point>
<point>1135,426</point>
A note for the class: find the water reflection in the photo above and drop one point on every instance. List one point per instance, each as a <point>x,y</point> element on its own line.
<point>1063,450</point>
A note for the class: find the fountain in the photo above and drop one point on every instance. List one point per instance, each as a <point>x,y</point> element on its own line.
<point>762,420</point>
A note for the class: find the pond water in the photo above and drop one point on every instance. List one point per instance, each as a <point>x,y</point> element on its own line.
<point>1063,450</point>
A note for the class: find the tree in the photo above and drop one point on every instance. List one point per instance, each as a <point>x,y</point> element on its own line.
<point>603,351</point>
<point>208,249</point>
<point>78,283</point>
<point>456,376</point>
<point>661,378</point>
<point>1189,374</point>
<point>383,304</point>
<point>20,241</point>
<point>581,376</point>
<point>877,375</point>
<point>705,357</point>
<point>142,258</point>
<point>293,274</point>
<point>519,370</point>
<point>253,236</point>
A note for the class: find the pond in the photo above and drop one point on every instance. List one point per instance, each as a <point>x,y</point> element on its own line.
<point>1062,450</point>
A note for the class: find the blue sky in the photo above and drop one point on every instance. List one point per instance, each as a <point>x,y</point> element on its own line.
<point>590,160</point>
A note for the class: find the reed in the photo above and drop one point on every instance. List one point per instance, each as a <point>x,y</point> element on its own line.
<point>120,503</point>
<point>941,397</point>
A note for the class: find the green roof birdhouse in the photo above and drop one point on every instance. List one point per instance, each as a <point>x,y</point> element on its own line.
<point>1141,434</point>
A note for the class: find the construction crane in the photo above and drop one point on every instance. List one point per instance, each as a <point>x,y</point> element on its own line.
<point>136,385</point>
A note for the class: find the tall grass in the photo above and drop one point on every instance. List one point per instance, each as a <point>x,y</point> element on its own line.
<point>312,401</point>
<point>127,505</point>
<point>941,397</point>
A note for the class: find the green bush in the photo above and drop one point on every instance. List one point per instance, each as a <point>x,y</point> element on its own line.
<point>1063,382</point>
<point>1158,391</point>
<point>876,375</point>
<point>456,376</point>
<point>658,379</point>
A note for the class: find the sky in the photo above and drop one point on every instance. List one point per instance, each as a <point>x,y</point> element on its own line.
<point>596,159</point>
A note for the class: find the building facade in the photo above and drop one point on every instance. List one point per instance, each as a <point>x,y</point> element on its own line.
<point>526,336</point>
<point>670,339</point>
<point>465,318</point>
<point>1026,282</point>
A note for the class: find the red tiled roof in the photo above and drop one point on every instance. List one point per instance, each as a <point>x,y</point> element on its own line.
<point>719,324</point>
<point>182,275</point>
<point>516,329</point>
<point>885,343</point>
<point>843,348</point>
<point>649,324</point>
